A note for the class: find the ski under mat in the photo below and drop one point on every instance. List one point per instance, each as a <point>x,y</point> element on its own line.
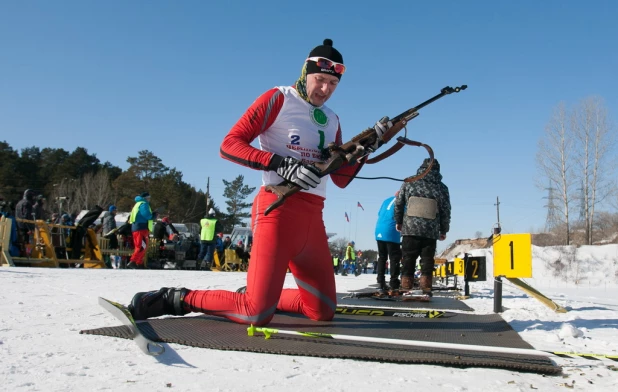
<point>437,303</point>
<point>221,334</point>
<point>451,292</point>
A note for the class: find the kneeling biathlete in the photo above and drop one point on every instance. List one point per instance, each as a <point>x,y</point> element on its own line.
<point>292,126</point>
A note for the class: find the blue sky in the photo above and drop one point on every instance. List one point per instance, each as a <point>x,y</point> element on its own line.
<point>117,77</point>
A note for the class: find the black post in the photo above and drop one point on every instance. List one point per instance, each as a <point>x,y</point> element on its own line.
<point>466,286</point>
<point>498,295</point>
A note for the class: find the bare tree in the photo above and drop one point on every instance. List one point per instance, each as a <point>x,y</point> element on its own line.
<point>194,209</point>
<point>596,142</point>
<point>614,197</point>
<point>63,195</point>
<point>555,160</point>
<point>94,189</point>
<point>338,246</point>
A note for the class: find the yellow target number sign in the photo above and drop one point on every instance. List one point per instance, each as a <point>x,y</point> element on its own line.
<point>513,255</point>
<point>458,265</point>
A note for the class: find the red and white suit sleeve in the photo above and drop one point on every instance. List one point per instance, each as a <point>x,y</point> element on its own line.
<point>236,145</point>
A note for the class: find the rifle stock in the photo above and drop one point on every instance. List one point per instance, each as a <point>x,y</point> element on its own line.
<point>355,149</point>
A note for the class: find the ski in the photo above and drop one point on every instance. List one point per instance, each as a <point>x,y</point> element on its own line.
<point>385,312</point>
<point>404,298</point>
<point>123,314</point>
<point>268,332</point>
<point>392,295</point>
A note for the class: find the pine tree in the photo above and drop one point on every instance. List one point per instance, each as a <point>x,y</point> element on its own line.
<point>235,193</point>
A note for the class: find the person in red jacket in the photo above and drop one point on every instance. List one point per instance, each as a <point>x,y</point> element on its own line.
<point>293,127</point>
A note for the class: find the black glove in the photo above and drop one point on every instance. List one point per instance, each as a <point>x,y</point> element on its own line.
<point>293,170</point>
<point>381,127</point>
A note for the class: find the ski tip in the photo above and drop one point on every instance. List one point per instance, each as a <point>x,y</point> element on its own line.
<point>103,301</point>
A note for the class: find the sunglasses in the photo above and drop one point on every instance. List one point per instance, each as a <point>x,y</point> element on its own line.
<point>326,63</point>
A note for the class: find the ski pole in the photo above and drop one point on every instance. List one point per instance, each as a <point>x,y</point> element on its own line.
<point>268,332</point>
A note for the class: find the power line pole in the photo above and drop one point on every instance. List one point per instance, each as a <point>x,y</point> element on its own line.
<point>551,220</point>
<point>207,194</point>
<point>498,228</point>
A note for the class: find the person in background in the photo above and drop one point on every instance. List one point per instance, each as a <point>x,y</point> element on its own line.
<point>108,226</point>
<point>389,244</point>
<point>210,225</point>
<point>38,209</point>
<point>293,127</point>
<point>6,211</point>
<point>170,229</point>
<point>65,220</point>
<point>108,229</point>
<point>350,259</point>
<point>23,210</point>
<point>219,247</point>
<point>141,220</point>
<point>242,252</point>
<point>423,216</point>
<point>164,231</point>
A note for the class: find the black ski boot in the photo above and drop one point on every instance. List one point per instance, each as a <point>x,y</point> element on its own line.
<point>383,288</point>
<point>158,303</point>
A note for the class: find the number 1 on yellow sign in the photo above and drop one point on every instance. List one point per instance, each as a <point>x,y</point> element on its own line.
<point>513,255</point>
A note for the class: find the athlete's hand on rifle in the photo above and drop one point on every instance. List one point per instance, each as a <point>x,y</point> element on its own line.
<point>381,127</point>
<point>293,170</point>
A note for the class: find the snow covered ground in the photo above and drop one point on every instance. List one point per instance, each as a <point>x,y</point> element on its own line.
<point>42,311</point>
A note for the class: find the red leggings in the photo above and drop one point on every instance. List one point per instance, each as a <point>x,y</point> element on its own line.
<point>294,236</point>
<point>140,241</point>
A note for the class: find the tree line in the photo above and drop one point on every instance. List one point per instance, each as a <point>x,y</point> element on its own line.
<point>577,160</point>
<point>78,180</point>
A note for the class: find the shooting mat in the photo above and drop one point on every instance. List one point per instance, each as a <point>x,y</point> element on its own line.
<point>484,330</point>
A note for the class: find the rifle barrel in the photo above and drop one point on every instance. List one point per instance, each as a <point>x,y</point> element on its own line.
<point>443,92</point>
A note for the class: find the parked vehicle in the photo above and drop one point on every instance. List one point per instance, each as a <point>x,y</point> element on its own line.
<point>243,234</point>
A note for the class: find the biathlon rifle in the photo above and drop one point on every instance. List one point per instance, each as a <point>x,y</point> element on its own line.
<point>361,146</point>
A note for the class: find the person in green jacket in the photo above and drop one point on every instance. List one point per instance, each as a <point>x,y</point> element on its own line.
<point>141,221</point>
<point>350,259</point>
<point>210,226</point>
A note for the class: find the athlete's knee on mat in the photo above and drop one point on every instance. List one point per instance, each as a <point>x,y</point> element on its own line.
<point>264,321</point>
<point>324,314</point>
<point>260,315</point>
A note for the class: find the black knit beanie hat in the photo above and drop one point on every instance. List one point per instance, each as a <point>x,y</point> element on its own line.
<point>327,51</point>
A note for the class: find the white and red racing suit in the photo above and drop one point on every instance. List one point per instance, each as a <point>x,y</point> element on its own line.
<point>293,235</point>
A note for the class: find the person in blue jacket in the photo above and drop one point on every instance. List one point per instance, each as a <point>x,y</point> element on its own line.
<point>142,224</point>
<point>389,244</point>
<point>5,210</point>
<point>220,247</point>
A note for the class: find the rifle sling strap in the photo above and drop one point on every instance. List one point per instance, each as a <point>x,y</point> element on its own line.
<point>401,141</point>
